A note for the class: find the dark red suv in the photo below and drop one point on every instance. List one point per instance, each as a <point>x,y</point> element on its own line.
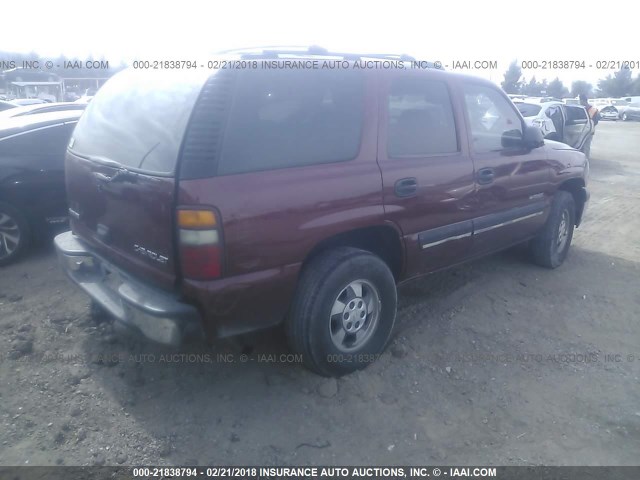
<point>302,191</point>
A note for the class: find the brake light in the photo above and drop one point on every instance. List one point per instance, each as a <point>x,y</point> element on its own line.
<point>200,244</point>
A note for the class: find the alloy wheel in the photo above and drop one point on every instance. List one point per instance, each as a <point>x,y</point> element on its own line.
<point>563,231</point>
<point>10,235</point>
<point>355,315</point>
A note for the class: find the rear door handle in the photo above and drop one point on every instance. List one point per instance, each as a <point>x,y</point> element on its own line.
<point>405,187</point>
<point>485,176</point>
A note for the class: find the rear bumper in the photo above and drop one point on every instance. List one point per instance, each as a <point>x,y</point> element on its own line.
<point>157,314</point>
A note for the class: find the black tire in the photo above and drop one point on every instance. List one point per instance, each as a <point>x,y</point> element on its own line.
<point>547,249</point>
<point>13,225</point>
<point>326,283</point>
<point>625,117</point>
<point>98,313</point>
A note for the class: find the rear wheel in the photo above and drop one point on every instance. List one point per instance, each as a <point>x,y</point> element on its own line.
<point>551,246</point>
<point>98,313</point>
<point>14,233</point>
<point>343,312</point>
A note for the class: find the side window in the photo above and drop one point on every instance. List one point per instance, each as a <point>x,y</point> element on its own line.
<point>494,123</point>
<point>576,115</point>
<point>286,118</point>
<point>552,111</point>
<point>50,142</point>
<point>421,120</point>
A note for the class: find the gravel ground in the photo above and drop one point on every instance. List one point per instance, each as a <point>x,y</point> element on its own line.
<point>494,362</point>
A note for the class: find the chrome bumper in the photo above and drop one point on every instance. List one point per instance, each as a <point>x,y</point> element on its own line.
<point>158,315</point>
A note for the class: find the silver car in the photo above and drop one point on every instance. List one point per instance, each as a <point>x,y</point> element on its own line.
<point>609,112</point>
<point>632,112</point>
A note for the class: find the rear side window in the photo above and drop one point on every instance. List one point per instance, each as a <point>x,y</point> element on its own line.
<point>286,118</point>
<point>576,114</point>
<point>138,119</point>
<point>493,120</point>
<point>421,120</point>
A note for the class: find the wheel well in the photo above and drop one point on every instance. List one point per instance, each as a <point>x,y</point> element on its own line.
<point>576,187</point>
<point>382,241</point>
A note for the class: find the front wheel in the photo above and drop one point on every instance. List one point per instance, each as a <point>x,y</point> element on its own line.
<point>14,233</point>
<point>343,312</point>
<point>625,117</point>
<point>551,246</point>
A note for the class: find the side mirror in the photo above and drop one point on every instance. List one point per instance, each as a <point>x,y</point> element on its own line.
<point>532,137</point>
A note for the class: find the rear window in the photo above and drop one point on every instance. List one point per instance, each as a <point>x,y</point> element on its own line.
<point>528,109</point>
<point>576,114</point>
<point>287,118</point>
<point>138,119</point>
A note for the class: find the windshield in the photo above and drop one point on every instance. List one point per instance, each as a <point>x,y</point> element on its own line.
<point>138,119</point>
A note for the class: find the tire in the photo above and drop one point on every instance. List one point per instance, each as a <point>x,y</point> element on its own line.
<point>15,234</point>
<point>548,249</point>
<point>98,314</point>
<point>359,285</point>
<point>625,117</point>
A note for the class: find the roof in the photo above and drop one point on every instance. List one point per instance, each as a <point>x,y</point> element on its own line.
<point>15,125</point>
<point>28,109</point>
<point>37,84</point>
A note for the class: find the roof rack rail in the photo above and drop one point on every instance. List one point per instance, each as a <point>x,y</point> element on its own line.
<point>271,51</point>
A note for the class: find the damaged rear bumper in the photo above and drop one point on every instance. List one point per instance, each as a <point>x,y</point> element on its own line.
<point>157,314</point>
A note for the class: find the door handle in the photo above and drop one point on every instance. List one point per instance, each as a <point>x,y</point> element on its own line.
<point>485,176</point>
<point>405,187</point>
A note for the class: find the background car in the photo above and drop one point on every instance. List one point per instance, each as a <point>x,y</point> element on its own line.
<point>632,112</point>
<point>609,112</point>
<point>568,124</point>
<point>42,108</point>
<point>27,101</point>
<point>6,105</point>
<point>32,190</point>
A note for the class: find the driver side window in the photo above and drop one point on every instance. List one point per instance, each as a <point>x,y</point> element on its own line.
<point>493,120</point>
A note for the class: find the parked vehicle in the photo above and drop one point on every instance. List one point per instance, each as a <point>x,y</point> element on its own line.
<point>609,112</point>
<point>620,105</point>
<point>234,201</point>
<point>42,108</point>
<point>27,101</point>
<point>32,192</point>
<point>632,112</point>
<point>568,124</point>
<point>6,105</point>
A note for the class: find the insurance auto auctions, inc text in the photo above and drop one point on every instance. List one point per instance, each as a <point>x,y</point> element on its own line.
<point>374,472</point>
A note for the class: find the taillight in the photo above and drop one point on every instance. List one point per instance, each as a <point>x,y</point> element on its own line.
<point>200,244</point>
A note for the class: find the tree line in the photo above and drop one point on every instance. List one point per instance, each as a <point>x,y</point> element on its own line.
<point>620,84</point>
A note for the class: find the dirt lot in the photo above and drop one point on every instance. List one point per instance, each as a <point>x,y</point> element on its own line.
<point>495,362</point>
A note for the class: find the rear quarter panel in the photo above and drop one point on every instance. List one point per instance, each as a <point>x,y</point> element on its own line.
<point>272,219</point>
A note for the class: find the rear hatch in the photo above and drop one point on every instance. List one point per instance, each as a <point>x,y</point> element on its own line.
<point>120,169</point>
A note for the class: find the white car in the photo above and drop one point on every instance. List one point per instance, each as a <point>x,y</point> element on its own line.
<point>609,112</point>
<point>568,124</point>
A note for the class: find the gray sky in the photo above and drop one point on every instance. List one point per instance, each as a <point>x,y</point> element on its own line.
<point>475,30</point>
